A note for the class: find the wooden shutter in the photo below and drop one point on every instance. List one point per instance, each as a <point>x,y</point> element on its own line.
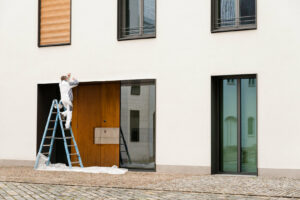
<point>55,22</point>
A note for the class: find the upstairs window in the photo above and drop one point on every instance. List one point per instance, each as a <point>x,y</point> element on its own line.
<point>233,15</point>
<point>54,23</point>
<point>137,19</point>
<point>135,90</point>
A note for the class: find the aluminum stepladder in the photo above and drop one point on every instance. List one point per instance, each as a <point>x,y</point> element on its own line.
<point>55,111</point>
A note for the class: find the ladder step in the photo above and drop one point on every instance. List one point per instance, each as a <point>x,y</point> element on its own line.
<point>50,129</point>
<point>77,162</point>
<point>45,153</point>
<point>46,145</point>
<point>48,137</point>
<point>60,138</point>
<point>71,145</point>
<point>73,154</point>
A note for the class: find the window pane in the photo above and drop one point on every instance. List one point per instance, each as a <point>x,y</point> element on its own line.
<point>226,13</point>
<point>149,16</point>
<point>229,126</point>
<point>138,126</point>
<point>135,90</point>
<point>247,12</point>
<point>248,125</point>
<point>134,125</point>
<point>132,17</point>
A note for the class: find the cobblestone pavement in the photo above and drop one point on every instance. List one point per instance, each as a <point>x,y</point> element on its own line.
<point>22,183</point>
<point>10,190</point>
<point>238,185</point>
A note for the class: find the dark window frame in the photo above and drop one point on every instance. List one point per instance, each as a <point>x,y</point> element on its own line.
<point>214,29</point>
<point>120,37</point>
<point>216,92</point>
<point>39,28</point>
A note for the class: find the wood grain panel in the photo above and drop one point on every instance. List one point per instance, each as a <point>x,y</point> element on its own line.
<point>96,105</point>
<point>55,22</point>
<point>109,155</point>
<point>110,104</point>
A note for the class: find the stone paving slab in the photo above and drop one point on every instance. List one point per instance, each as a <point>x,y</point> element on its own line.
<point>10,190</point>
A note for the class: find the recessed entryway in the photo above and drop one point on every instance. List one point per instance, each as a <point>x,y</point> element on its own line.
<point>113,122</point>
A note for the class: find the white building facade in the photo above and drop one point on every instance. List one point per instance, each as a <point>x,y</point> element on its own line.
<point>225,74</point>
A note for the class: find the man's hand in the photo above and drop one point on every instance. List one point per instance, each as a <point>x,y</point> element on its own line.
<point>73,78</point>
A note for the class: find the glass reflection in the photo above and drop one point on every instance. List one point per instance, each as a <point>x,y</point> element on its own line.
<point>132,25</point>
<point>137,126</point>
<point>248,125</point>
<point>149,16</point>
<point>247,12</point>
<point>229,126</point>
<point>227,13</point>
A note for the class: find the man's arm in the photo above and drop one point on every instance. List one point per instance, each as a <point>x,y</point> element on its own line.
<point>73,83</point>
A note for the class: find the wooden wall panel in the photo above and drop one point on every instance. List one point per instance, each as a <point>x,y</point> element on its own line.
<point>55,22</point>
<point>96,105</point>
<point>110,111</point>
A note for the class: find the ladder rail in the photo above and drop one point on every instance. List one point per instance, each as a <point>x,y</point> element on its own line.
<point>44,135</point>
<point>75,144</point>
<point>76,148</point>
<point>126,148</point>
<point>52,140</point>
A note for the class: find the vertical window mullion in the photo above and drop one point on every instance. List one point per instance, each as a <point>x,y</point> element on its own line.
<point>216,15</point>
<point>239,125</point>
<point>237,13</point>
<point>123,24</point>
<point>142,17</point>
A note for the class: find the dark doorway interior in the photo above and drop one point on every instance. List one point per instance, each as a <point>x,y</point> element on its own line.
<point>46,93</point>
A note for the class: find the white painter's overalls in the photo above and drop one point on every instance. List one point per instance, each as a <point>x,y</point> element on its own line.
<point>67,98</point>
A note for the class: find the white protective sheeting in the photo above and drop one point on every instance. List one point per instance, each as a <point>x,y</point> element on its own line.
<point>62,167</point>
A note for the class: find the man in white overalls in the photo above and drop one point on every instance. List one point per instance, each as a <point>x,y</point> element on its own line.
<point>66,95</point>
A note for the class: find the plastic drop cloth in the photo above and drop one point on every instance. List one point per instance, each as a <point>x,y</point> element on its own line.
<point>62,167</point>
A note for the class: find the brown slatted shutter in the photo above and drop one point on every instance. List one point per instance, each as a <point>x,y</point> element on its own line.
<point>55,22</point>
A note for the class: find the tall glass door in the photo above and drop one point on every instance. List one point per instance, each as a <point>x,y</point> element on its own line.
<point>238,136</point>
<point>138,108</point>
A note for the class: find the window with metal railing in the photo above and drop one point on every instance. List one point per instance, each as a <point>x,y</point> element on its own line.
<point>228,15</point>
<point>136,19</point>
